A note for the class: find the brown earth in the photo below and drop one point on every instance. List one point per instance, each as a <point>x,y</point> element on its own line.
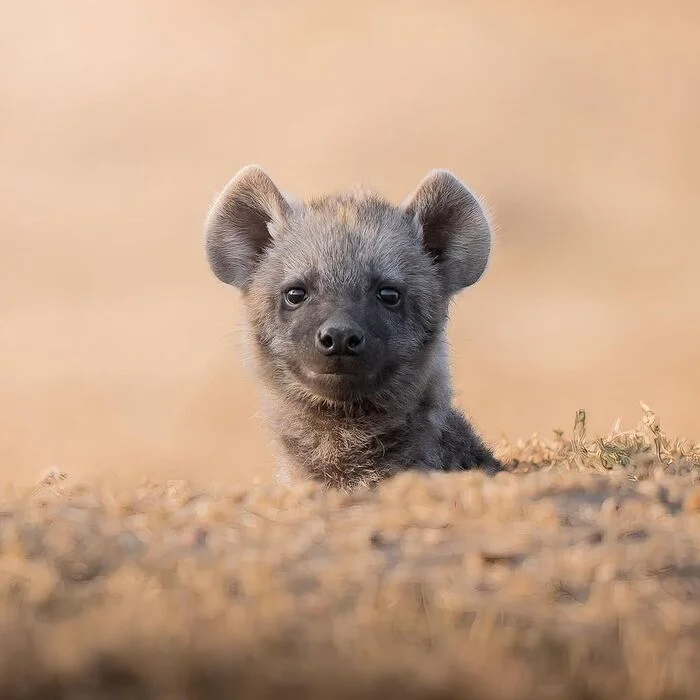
<point>576,577</point>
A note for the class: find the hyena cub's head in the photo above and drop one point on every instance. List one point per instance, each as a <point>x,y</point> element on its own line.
<point>346,295</point>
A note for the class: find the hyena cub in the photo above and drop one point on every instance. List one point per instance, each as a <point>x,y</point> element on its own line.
<point>347,300</point>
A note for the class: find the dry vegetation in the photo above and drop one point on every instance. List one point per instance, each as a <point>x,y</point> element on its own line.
<point>578,576</point>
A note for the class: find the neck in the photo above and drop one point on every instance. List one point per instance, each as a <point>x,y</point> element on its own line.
<point>345,445</point>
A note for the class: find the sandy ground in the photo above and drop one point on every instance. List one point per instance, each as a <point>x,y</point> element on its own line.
<point>562,580</point>
<point>120,121</point>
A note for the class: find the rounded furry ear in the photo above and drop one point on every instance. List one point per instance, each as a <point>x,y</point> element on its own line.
<point>454,227</point>
<point>237,228</point>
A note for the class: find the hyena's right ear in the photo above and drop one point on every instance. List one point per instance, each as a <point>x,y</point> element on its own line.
<point>237,228</point>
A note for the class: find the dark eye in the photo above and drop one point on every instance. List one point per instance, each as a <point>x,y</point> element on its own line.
<point>389,296</point>
<point>294,296</point>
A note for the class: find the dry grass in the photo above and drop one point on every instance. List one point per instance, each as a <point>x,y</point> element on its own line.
<point>577,576</point>
<point>636,451</point>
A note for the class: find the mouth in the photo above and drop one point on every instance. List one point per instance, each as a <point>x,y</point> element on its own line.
<point>341,384</point>
<point>342,376</point>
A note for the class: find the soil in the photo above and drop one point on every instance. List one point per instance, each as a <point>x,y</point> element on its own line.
<point>552,580</point>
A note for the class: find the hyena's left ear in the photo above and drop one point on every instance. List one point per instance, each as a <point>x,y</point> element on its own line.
<point>454,226</point>
<point>237,228</point>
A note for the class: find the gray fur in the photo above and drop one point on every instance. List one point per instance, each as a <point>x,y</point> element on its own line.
<point>351,420</point>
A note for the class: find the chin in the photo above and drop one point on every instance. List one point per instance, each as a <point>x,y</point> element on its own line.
<point>338,386</point>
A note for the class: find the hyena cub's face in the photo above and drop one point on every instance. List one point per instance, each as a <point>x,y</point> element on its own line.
<point>346,295</point>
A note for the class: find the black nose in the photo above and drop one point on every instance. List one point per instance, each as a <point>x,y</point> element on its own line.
<point>339,339</point>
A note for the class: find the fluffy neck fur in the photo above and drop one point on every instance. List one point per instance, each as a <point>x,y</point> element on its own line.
<point>343,445</point>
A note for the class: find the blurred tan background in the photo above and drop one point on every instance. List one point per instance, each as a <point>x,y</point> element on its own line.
<point>578,122</point>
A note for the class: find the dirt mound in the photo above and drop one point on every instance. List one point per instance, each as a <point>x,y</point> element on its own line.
<point>562,582</point>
